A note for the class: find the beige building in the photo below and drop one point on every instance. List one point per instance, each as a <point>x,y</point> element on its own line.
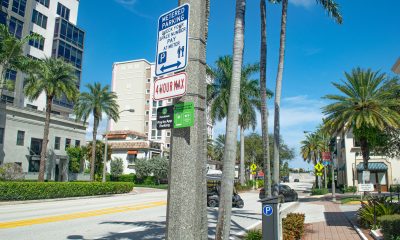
<point>133,82</point>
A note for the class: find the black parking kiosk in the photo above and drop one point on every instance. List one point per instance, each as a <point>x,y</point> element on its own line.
<point>270,218</point>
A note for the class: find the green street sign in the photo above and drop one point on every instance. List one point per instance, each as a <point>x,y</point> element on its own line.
<point>183,115</point>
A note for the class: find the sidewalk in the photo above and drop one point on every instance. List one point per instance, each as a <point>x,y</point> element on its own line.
<point>325,220</point>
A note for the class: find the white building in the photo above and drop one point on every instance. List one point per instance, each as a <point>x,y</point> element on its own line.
<point>133,82</point>
<point>55,21</point>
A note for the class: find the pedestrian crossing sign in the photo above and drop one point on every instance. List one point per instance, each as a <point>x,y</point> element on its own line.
<point>319,167</point>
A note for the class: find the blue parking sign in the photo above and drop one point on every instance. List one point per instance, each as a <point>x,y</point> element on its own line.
<point>268,210</point>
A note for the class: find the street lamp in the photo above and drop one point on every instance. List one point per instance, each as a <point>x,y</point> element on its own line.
<point>106,141</point>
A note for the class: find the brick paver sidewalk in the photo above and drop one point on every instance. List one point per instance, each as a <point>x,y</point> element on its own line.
<point>335,226</point>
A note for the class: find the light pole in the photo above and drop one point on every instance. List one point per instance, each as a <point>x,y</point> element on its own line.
<point>106,141</point>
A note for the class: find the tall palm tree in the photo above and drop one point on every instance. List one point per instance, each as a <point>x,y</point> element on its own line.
<point>249,98</point>
<point>263,93</point>
<point>367,102</point>
<point>55,78</point>
<point>332,8</point>
<point>11,53</point>
<point>225,206</point>
<point>97,101</point>
<point>310,150</point>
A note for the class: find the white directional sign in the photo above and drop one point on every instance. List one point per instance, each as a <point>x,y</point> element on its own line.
<point>172,40</point>
<point>368,187</point>
<point>170,87</point>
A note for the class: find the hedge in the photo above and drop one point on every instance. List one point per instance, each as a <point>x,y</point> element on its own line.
<point>390,225</point>
<point>12,191</point>
<point>317,191</point>
<point>122,178</point>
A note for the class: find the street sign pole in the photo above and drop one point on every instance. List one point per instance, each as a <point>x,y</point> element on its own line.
<point>187,191</point>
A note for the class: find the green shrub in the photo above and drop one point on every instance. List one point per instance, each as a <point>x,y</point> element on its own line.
<point>121,178</point>
<point>319,191</point>
<point>293,226</point>
<point>253,235</point>
<point>382,207</point>
<point>11,172</point>
<point>350,189</point>
<point>149,180</point>
<point>117,167</point>
<point>11,191</point>
<point>242,187</point>
<point>390,226</point>
<point>260,183</point>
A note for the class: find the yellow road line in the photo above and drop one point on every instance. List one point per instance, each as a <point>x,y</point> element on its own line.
<point>70,216</point>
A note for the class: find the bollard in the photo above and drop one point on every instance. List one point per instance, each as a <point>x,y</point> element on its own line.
<point>270,218</point>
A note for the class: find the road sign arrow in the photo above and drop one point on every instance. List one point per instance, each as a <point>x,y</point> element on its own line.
<point>177,64</point>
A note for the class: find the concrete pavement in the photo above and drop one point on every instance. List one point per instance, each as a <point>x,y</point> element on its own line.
<point>140,216</point>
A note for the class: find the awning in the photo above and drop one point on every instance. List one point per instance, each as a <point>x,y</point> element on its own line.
<point>132,152</point>
<point>373,166</point>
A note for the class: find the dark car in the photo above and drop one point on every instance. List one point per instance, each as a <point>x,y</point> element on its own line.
<point>285,179</point>
<point>285,192</point>
<point>213,198</point>
<point>296,180</point>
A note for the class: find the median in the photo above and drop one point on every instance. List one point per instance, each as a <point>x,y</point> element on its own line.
<point>17,191</point>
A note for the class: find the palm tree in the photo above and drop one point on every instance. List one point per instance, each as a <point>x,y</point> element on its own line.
<point>332,8</point>
<point>263,94</point>
<point>310,150</point>
<point>55,78</point>
<point>367,103</point>
<point>12,55</point>
<point>99,155</point>
<point>97,101</point>
<point>225,206</point>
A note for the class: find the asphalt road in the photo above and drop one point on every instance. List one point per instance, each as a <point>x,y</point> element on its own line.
<point>140,216</point>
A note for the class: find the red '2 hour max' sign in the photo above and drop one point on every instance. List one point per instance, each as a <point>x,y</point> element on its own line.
<point>170,87</point>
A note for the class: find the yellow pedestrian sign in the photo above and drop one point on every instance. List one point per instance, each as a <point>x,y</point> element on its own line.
<point>319,167</point>
<point>253,167</point>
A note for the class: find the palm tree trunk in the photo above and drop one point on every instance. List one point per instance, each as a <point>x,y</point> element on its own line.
<point>43,153</point>
<point>364,152</point>
<point>264,109</point>
<point>228,174</point>
<point>278,91</point>
<point>93,159</point>
<point>241,156</point>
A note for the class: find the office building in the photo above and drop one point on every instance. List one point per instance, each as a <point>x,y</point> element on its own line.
<point>56,22</point>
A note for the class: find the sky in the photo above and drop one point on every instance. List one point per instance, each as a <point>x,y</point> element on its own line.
<point>318,50</point>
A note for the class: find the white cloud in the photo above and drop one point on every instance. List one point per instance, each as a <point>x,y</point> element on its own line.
<point>303,3</point>
<point>130,5</point>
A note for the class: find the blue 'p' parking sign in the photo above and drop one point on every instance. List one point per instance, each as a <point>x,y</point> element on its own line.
<point>267,210</point>
<point>172,40</point>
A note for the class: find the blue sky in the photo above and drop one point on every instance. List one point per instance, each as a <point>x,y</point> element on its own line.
<point>318,50</point>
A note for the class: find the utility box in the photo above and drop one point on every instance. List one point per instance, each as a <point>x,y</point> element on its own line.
<point>270,218</point>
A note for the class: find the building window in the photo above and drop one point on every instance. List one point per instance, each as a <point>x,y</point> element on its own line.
<point>148,80</point>
<point>44,2</point>
<point>7,99</point>
<point>35,150</point>
<point>69,32</point>
<point>70,54</point>
<point>20,138</point>
<point>37,43</point>
<point>11,75</point>
<point>3,18</point>
<point>155,134</point>
<point>147,102</point>
<point>15,27</point>
<point>154,112</point>
<point>168,134</point>
<point>67,143</point>
<point>19,7</point>
<point>1,135</point>
<point>63,11</point>
<point>77,143</point>
<point>55,112</point>
<point>39,19</point>
<point>147,91</point>
<point>147,124</point>
<point>169,101</point>
<point>167,145</point>
<point>147,112</point>
<point>57,142</point>
<point>4,3</point>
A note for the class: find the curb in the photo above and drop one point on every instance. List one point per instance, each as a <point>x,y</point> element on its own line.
<point>358,230</point>
<point>134,192</point>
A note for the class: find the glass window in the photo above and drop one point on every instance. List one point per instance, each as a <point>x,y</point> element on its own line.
<point>35,150</point>
<point>11,74</point>
<point>20,138</point>
<point>57,141</point>
<point>168,134</point>
<point>37,43</point>
<point>67,143</point>
<point>44,2</point>
<point>63,11</point>
<point>382,178</point>
<point>19,7</point>
<point>31,106</point>
<point>77,143</point>
<point>15,27</point>
<point>39,19</point>
<point>3,18</point>
<point>1,135</point>
<point>4,3</point>
<point>70,54</point>
<point>7,99</point>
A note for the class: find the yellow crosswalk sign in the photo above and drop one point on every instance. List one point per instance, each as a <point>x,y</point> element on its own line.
<point>253,167</point>
<point>319,167</point>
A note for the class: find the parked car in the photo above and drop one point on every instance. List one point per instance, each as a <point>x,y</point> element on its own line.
<point>213,197</point>
<point>285,179</point>
<point>296,180</point>
<point>285,192</point>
